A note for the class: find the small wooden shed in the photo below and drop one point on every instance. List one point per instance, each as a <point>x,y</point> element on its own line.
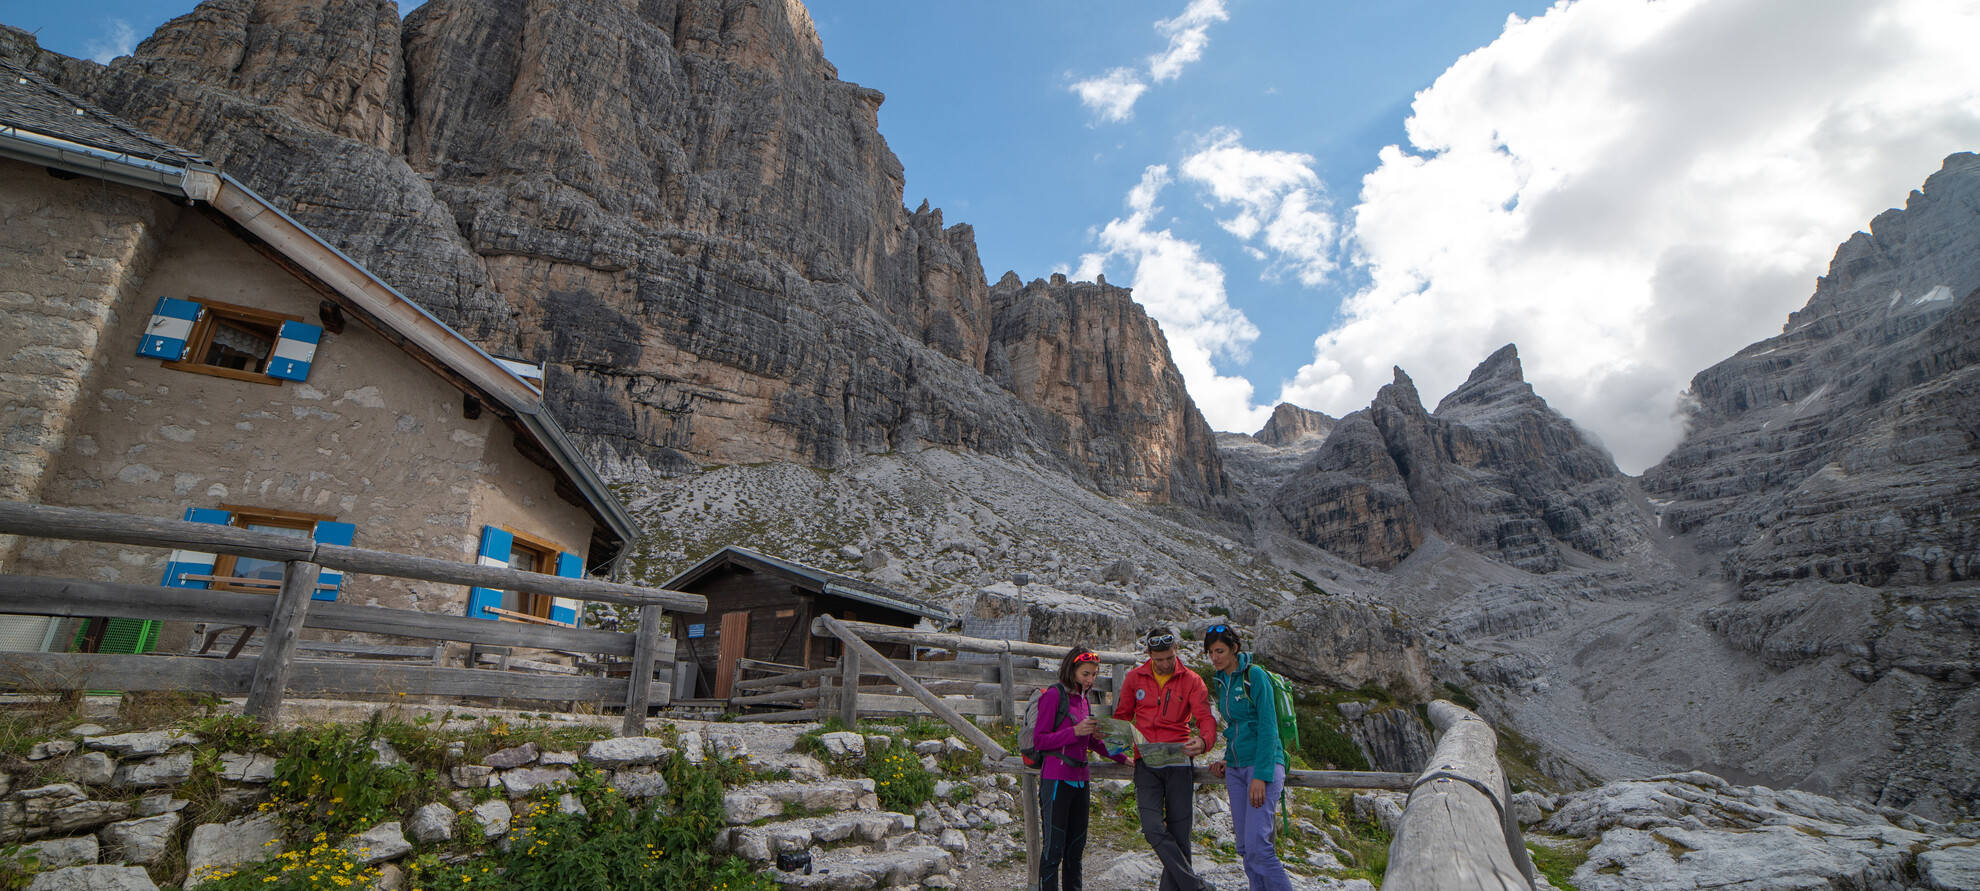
<point>761,607</point>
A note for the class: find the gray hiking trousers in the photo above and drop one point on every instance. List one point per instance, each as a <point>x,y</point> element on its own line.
<point>1162,798</point>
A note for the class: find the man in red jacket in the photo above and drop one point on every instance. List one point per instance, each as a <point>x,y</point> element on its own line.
<point>1164,698</point>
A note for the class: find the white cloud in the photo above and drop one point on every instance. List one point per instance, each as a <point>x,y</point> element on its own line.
<point>1276,194</point>
<point>1632,190</point>
<point>1188,35</point>
<point>118,39</point>
<point>1184,291</point>
<point>1112,95</point>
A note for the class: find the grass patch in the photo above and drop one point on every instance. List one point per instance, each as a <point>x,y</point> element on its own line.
<point>1558,858</point>
<point>1522,761</point>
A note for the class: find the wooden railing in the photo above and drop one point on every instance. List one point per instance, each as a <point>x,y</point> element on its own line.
<point>994,690</point>
<point>1459,830</point>
<point>276,673</point>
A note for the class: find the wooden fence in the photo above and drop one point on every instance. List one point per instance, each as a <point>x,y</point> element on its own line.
<point>861,686</point>
<point>276,673</point>
<point>1459,830</point>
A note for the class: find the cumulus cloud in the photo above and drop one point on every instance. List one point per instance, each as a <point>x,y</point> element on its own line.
<point>1632,190</point>
<point>1112,95</point>
<point>118,39</point>
<point>1183,290</point>
<point>1276,195</point>
<point>1188,34</point>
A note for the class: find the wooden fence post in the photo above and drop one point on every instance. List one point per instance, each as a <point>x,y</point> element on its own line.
<point>849,687</point>
<point>1028,790</point>
<point>271,671</point>
<point>639,686</point>
<point>1007,678</point>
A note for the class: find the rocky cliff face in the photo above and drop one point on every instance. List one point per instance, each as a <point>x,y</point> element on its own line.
<point>1848,448</point>
<point>682,211</point>
<point>1290,424</point>
<point>1493,469</point>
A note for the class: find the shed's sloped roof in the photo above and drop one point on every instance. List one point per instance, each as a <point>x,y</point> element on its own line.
<point>826,582</point>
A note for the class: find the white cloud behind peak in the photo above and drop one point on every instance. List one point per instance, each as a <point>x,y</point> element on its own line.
<point>1183,289</point>
<point>1632,190</point>
<point>1277,195</point>
<point>1112,96</point>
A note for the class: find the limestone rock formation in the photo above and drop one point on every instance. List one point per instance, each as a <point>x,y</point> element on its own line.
<point>1343,644</point>
<point>1290,423</point>
<point>682,211</point>
<point>1494,468</point>
<point>1848,447</point>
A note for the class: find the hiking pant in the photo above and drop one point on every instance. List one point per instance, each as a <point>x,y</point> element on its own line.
<point>1063,805</point>
<point>1254,827</point>
<point>1162,798</point>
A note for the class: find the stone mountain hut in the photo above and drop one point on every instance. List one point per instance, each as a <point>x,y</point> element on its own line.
<point>179,347</point>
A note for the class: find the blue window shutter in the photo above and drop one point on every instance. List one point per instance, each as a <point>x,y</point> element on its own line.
<point>329,532</point>
<point>193,562</point>
<point>495,545</point>
<point>295,348</point>
<point>564,609</point>
<point>170,327</point>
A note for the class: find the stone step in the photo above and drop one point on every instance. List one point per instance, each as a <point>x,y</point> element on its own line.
<point>763,800</point>
<point>762,844</point>
<point>851,869</point>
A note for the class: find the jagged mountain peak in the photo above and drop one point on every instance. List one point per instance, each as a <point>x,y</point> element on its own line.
<point>1495,469</point>
<point>1495,386</point>
<point>1289,424</point>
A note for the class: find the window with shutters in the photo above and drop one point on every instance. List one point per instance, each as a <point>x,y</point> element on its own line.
<point>232,573</point>
<point>526,553</point>
<point>234,342</point>
<point>529,555</point>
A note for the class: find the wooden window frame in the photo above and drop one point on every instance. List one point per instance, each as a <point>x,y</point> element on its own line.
<point>538,605</point>
<point>238,516</point>
<point>201,339</point>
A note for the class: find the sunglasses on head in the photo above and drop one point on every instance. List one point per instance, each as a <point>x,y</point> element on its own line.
<point>1160,642</point>
<point>1217,629</point>
<point>1086,657</point>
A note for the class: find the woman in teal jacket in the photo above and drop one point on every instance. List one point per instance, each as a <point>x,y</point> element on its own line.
<point>1254,765</point>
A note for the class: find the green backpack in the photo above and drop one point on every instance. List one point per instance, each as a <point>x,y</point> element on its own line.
<point>1282,709</point>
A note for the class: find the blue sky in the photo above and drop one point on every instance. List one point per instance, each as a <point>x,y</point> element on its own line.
<point>1307,192</point>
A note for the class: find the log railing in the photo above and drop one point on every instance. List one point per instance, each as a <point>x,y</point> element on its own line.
<point>1458,830</point>
<point>268,678</point>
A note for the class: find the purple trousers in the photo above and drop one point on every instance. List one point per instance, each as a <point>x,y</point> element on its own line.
<point>1254,828</point>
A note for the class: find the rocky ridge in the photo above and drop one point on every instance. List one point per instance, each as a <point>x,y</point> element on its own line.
<point>679,209</point>
<point>1494,469</point>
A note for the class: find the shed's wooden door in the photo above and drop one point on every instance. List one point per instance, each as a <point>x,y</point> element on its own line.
<point>735,642</point>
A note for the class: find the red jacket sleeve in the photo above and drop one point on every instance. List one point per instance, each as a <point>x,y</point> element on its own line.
<point>1124,709</point>
<point>1199,708</point>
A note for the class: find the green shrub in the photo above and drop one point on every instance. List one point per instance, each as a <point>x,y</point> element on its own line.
<point>327,779</point>
<point>17,867</point>
<point>902,783</point>
<point>1323,744</point>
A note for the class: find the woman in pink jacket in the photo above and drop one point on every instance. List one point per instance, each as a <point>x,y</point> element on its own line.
<point>1063,796</point>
